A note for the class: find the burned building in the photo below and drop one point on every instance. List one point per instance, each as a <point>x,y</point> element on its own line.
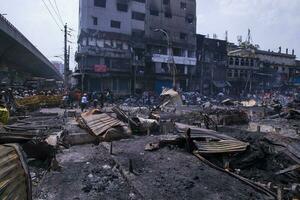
<point>210,76</point>
<point>242,65</point>
<point>280,63</point>
<point>171,30</point>
<point>251,69</point>
<point>104,53</point>
<point>122,46</point>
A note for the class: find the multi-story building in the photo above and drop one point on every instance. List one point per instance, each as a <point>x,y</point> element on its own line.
<point>295,75</point>
<point>242,65</point>
<point>177,18</point>
<point>105,43</point>
<point>251,69</point>
<point>210,76</point>
<point>121,45</point>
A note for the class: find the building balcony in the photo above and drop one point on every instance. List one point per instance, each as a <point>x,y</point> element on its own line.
<point>103,52</point>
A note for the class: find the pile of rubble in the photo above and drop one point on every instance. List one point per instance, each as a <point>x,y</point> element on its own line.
<point>38,134</point>
<point>268,163</point>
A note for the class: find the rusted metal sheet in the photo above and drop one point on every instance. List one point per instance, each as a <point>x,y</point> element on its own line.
<point>14,176</point>
<point>104,126</point>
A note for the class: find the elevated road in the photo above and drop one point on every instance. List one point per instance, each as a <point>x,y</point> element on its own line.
<point>17,52</point>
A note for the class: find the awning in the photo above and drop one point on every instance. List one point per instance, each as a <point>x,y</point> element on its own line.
<point>221,84</point>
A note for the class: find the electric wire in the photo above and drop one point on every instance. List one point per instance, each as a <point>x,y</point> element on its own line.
<point>52,16</point>
<point>58,11</point>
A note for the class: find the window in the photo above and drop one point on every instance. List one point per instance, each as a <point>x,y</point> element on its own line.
<point>154,12</point>
<point>191,53</point>
<point>237,61</point>
<point>183,5</point>
<point>95,21</point>
<point>107,62</point>
<point>247,62</point>
<point>230,73</point>
<point>115,24</point>
<point>189,19</point>
<point>231,61</point>
<point>243,74</point>
<point>166,2</point>
<point>177,52</point>
<point>138,16</point>
<point>251,62</point>
<point>236,73</point>
<point>164,68</point>
<point>119,45</point>
<point>100,3</point>
<point>242,62</point>
<point>123,7</point>
<point>183,36</point>
<point>168,14</point>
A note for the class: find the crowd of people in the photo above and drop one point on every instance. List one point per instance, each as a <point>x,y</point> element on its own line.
<point>76,98</point>
<point>86,100</point>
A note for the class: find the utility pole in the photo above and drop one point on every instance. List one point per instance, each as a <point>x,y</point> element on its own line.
<point>66,56</point>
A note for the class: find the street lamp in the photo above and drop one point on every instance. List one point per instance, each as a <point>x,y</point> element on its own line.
<point>170,54</point>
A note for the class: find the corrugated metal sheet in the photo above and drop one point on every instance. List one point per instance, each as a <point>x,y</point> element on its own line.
<point>197,132</point>
<point>105,126</point>
<point>100,123</point>
<point>209,141</point>
<point>15,181</point>
<point>222,146</point>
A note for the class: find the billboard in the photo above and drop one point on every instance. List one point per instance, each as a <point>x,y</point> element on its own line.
<point>100,68</point>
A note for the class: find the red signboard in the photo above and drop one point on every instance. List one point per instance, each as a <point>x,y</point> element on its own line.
<point>100,68</point>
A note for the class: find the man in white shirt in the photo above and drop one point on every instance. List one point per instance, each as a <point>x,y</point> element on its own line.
<point>84,102</point>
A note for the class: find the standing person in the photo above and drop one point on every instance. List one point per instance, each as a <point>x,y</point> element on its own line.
<point>84,102</point>
<point>102,99</point>
<point>108,96</point>
<point>95,99</point>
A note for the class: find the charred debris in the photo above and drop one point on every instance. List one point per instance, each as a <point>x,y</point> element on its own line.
<point>254,142</point>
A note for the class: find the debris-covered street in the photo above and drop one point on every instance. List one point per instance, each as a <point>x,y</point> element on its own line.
<point>170,151</point>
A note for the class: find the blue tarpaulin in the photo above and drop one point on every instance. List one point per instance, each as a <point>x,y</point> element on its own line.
<point>160,84</point>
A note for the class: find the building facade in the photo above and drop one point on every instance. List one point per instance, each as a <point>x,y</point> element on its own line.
<point>251,69</point>
<point>177,18</point>
<point>295,74</point>
<point>210,76</point>
<point>242,65</point>
<point>121,49</point>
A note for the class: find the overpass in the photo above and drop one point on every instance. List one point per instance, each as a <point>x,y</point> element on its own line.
<point>19,54</point>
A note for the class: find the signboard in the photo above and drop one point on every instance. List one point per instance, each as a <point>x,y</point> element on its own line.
<point>100,68</point>
<point>178,60</point>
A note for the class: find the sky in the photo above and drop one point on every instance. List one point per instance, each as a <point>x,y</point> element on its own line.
<point>273,23</point>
